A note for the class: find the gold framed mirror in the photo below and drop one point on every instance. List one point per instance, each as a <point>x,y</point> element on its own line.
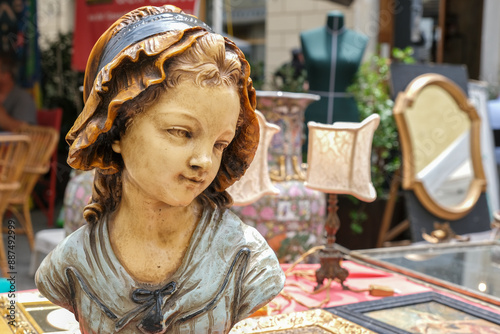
<point>439,132</point>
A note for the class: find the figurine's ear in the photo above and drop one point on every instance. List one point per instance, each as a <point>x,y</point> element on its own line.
<point>116,146</point>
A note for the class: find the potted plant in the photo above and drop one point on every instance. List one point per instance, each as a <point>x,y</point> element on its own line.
<point>371,91</point>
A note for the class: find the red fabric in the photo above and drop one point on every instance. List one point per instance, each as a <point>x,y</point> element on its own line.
<point>360,277</point>
<point>94,17</point>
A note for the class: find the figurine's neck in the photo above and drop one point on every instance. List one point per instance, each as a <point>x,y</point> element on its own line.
<point>150,238</point>
<point>335,21</point>
<point>138,211</point>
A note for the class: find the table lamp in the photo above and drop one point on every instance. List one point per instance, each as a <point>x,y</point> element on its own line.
<point>338,160</point>
<point>256,181</point>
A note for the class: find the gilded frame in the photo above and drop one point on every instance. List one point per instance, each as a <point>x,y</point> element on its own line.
<point>405,100</point>
<point>313,321</point>
<point>30,317</point>
<point>447,307</point>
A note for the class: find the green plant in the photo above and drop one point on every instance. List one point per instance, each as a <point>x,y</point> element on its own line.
<point>372,94</point>
<point>257,74</point>
<point>60,84</point>
<point>357,217</point>
<point>289,79</point>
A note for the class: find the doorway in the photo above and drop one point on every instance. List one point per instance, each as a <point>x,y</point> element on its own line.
<point>450,30</point>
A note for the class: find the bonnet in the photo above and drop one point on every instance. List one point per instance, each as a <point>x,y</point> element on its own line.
<point>159,32</point>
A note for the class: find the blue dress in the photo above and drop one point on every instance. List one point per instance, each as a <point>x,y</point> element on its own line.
<point>228,272</point>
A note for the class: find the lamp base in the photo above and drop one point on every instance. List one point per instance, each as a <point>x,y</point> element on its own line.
<point>330,258</point>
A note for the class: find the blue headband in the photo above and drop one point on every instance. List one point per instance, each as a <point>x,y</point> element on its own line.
<point>149,26</point>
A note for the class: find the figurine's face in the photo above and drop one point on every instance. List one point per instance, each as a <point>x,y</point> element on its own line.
<point>172,150</point>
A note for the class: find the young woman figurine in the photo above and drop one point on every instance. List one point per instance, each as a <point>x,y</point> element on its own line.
<point>169,124</point>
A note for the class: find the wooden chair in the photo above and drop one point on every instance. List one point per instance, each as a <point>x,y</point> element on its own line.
<point>13,154</point>
<point>43,144</point>
<point>46,202</point>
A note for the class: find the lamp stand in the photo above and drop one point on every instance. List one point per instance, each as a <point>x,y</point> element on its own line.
<point>330,257</point>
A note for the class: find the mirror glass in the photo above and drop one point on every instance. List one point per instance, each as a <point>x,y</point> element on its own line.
<point>439,132</point>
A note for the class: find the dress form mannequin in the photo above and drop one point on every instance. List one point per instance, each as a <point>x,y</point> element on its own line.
<point>332,55</point>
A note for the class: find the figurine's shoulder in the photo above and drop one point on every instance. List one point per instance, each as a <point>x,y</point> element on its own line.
<point>70,244</point>
<point>263,278</point>
<point>247,234</point>
<point>238,234</point>
<point>74,247</point>
<point>51,278</point>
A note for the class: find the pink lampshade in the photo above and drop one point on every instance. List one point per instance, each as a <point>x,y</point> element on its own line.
<point>339,158</point>
<point>256,181</point>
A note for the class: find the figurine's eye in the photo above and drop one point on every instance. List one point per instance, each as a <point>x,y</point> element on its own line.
<point>179,132</point>
<point>221,145</point>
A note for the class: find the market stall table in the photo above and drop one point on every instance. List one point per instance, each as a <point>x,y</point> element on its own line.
<point>297,296</point>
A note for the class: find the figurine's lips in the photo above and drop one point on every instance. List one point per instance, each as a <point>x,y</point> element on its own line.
<point>196,180</point>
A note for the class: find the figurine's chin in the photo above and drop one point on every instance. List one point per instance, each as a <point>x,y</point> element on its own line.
<point>186,197</point>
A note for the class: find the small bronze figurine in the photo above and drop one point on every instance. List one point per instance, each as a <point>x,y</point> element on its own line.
<point>169,124</point>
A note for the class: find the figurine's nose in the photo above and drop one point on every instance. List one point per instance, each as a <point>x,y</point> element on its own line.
<point>201,159</point>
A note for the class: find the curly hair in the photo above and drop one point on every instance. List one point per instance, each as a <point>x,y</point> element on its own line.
<point>206,60</point>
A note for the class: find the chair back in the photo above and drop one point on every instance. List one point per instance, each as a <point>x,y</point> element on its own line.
<point>14,150</point>
<point>43,143</point>
<point>46,199</point>
<point>13,155</point>
<point>49,117</point>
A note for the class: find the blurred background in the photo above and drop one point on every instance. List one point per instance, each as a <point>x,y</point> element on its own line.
<point>53,38</point>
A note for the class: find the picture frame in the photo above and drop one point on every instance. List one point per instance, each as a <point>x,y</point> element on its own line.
<point>41,314</point>
<point>38,316</point>
<point>419,313</point>
<point>402,74</point>
<point>314,321</point>
<point>478,96</point>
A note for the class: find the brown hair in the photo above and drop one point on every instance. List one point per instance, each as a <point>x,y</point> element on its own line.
<point>8,64</point>
<point>134,82</point>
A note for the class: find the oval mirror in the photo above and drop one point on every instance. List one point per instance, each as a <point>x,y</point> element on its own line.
<point>439,132</point>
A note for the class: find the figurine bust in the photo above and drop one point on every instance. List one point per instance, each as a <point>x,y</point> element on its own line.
<point>169,123</point>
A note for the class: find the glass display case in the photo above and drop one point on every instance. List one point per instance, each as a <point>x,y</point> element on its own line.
<point>471,268</point>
